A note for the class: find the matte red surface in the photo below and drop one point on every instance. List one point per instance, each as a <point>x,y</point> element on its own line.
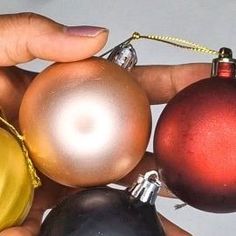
<point>195,143</point>
<point>226,70</point>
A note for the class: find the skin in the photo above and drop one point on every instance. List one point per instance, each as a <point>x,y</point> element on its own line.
<point>22,40</point>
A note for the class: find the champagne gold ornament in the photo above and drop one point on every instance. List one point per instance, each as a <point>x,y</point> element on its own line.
<point>88,123</point>
<point>85,123</point>
<point>17,178</point>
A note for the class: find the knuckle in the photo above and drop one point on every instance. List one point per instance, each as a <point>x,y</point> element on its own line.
<point>29,18</point>
<point>18,34</point>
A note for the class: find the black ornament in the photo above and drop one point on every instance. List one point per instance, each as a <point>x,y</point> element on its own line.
<point>103,211</point>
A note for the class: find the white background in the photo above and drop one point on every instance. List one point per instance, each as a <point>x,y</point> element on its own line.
<point>209,22</point>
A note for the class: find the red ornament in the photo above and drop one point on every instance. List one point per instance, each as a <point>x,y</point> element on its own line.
<point>195,140</point>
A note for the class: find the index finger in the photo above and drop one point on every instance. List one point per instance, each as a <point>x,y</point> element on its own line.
<point>162,82</point>
<point>25,36</point>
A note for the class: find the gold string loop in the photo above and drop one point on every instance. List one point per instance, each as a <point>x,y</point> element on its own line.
<point>36,182</point>
<point>174,41</point>
<point>178,42</point>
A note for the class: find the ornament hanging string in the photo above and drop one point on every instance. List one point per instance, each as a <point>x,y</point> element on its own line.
<point>35,179</point>
<point>174,41</point>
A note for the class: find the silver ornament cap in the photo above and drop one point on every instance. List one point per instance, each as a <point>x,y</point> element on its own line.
<point>225,65</point>
<point>124,55</point>
<point>146,188</point>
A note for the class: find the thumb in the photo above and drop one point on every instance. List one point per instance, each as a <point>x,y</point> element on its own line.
<point>26,36</point>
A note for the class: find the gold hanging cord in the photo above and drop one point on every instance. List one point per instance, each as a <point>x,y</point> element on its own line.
<point>35,179</point>
<point>182,43</point>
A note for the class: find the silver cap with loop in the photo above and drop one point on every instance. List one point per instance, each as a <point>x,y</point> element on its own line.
<point>147,187</point>
<point>224,65</point>
<point>124,55</point>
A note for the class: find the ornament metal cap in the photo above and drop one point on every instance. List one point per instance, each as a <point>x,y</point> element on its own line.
<point>146,187</point>
<point>224,66</point>
<point>124,55</point>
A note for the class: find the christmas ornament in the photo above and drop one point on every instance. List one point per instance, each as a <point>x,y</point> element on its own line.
<point>195,140</point>
<point>85,123</point>
<point>17,178</point>
<point>108,212</point>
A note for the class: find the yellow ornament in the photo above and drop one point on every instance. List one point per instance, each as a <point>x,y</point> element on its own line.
<point>17,178</point>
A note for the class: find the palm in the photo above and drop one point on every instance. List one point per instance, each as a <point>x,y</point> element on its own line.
<point>50,193</point>
<point>159,82</point>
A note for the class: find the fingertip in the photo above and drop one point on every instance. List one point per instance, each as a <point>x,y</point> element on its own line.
<point>27,36</point>
<point>68,46</point>
<point>84,30</point>
<point>89,46</point>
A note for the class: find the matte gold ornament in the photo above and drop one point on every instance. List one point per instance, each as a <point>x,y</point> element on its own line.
<point>85,123</point>
<point>17,178</point>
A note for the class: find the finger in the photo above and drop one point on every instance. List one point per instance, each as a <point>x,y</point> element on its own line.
<point>30,227</point>
<point>172,229</point>
<point>146,164</point>
<point>16,231</point>
<point>162,82</point>
<point>26,36</point>
<point>46,197</point>
<point>13,84</point>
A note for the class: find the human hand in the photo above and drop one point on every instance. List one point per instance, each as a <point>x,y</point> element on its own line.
<point>28,36</point>
<point>24,37</point>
